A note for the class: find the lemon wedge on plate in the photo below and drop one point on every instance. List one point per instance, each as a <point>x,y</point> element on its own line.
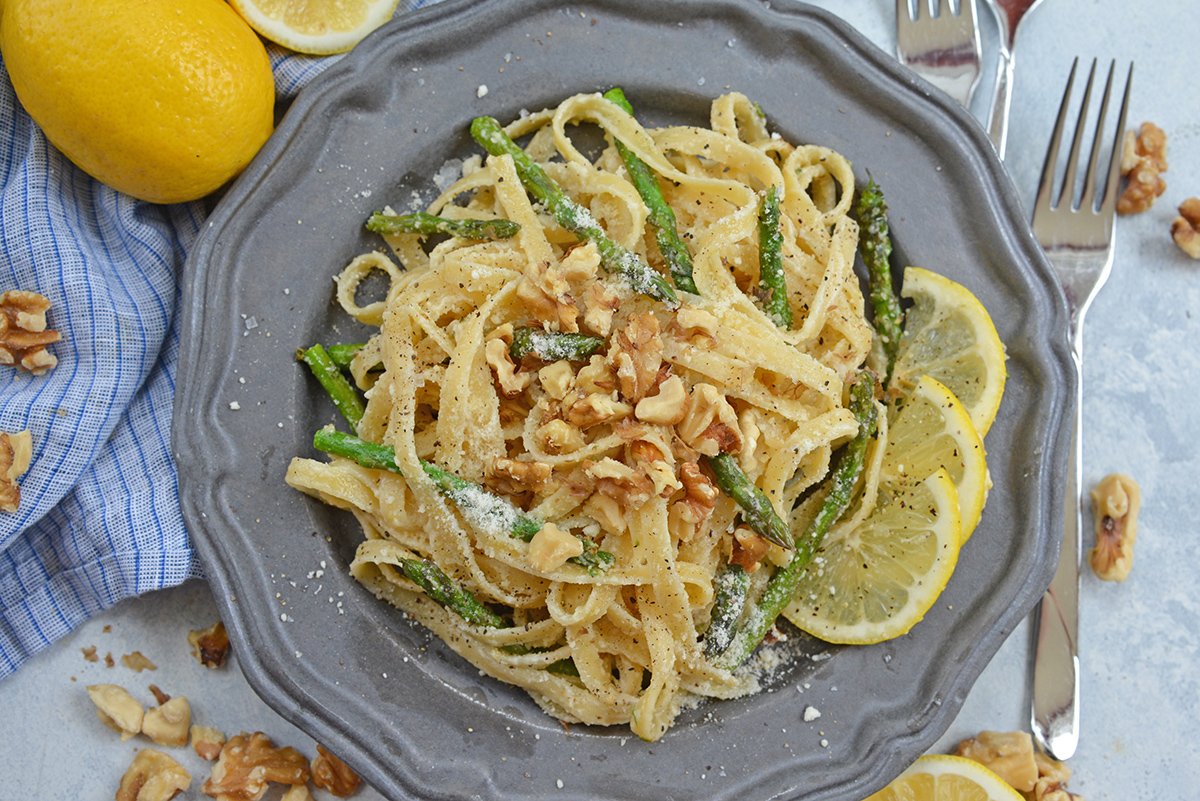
<point>931,429</point>
<point>316,28</point>
<point>948,335</point>
<point>874,581</point>
<point>937,777</point>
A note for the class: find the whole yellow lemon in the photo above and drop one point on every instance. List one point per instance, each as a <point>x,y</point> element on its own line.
<point>165,100</point>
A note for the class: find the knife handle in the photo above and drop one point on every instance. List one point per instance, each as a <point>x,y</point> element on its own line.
<point>1055,714</point>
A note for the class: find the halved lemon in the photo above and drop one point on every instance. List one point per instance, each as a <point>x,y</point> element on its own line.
<point>938,777</point>
<point>930,430</point>
<point>949,335</point>
<point>875,581</point>
<point>316,28</point>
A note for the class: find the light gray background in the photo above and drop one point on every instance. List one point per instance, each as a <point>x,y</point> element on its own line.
<point>1139,639</point>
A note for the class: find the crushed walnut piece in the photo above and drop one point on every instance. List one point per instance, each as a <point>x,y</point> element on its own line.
<point>668,406</point>
<point>89,653</point>
<point>297,792</point>
<point>249,763</point>
<point>1007,754</point>
<point>517,476</point>
<point>619,481</point>
<point>16,451</point>
<point>168,724</point>
<point>117,709</point>
<point>1052,781</point>
<point>332,774</point>
<point>207,742</point>
<point>1143,157</point>
<point>511,382</point>
<point>153,776</point>
<point>600,304</point>
<point>711,424</point>
<point>559,436</point>
<point>1185,229</point>
<point>137,661</point>
<point>210,646</point>
<point>1115,503</point>
<point>551,547</point>
<point>699,499</point>
<point>23,332</point>
<point>636,356</point>
<point>748,549</point>
<point>595,409</point>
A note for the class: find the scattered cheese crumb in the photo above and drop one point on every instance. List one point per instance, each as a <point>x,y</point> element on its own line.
<point>482,90</point>
<point>235,405</point>
<point>811,713</point>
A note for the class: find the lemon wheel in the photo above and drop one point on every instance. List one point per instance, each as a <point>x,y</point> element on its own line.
<point>315,28</point>
<point>874,581</point>
<point>948,335</point>
<point>937,777</point>
<point>931,429</point>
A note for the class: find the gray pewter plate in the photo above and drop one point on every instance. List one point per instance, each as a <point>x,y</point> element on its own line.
<point>414,719</point>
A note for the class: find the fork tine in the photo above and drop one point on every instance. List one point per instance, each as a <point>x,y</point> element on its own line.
<point>1114,163</point>
<point>1067,192</point>
<point>1088,201</point>
<point>1046,182</point>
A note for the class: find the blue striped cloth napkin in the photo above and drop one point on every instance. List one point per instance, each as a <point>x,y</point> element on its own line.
<point>99,519</point>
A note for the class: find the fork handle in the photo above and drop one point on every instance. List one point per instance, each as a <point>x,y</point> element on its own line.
<point>1055,713</point>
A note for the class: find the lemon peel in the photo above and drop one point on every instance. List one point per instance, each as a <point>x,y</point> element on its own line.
<point>940,777</point>
<point>163,100</point>
<point>949,335</point>
<point>315,28</point>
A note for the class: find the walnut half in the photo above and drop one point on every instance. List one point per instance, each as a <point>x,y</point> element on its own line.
<point>23,332</point>
<point>332,774</point>
<point>16,450</point>
<point>1185,229</point>
<point>1115,502</point>
<point>153,776</point>
<point>248,763</point>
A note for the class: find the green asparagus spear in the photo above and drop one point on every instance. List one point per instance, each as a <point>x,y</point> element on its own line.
<point>770,261</point>
<point>730,587</point>
<point>757,511</point>
<point>481,508</point>
<point>343,354</point>
<point>426,224</point>
<point>876,246</point>
<point>662,218</point>
<point>570,215</point>
<point>441,588</point>
<point>552,346</point>
<point>782,585</point>
<point>344,396</point>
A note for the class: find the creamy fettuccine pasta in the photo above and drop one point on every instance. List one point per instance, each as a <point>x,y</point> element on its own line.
<point>607,449</point>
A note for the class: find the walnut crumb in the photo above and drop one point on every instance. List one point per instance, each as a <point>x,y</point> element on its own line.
<point>117,709</point>
<point>332,774</point>
<point>16,451</point>
<point>153,776</point>
<point>1185,229</point>
<point>23,332</point>
<point>1115,503</point>
<point>138,661</point>
<point>1143,157</point>
<point>210,646</point>
<point>249,763</point>
<point>207,742</point>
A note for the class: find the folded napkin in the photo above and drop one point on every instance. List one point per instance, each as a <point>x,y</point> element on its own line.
<point>99,517</point>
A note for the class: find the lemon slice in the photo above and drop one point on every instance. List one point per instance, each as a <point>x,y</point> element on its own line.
<point>938,777</point>
<point>932,430</point>
<point>316,28</point>
<point>949,335</point>
<point>874,581</point>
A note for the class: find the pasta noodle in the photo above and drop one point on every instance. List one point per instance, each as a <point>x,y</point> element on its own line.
<point>609,447</point>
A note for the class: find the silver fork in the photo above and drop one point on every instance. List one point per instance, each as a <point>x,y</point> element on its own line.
<point>1078,239</point>
<point>942,49</point>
